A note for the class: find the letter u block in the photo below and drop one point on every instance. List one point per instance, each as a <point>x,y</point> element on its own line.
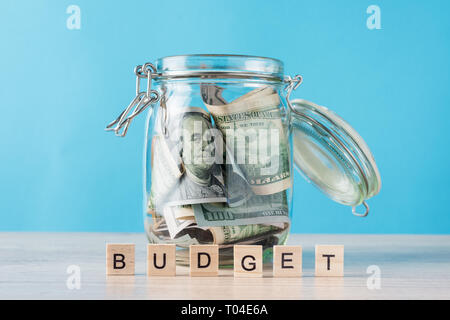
<point>161,260</point>
<point>119,259</point>
<point>204,260</point>
<point>248,261</point>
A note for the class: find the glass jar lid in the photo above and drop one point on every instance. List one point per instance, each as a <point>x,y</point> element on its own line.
<point>333,156</point>
<point>219,66</point>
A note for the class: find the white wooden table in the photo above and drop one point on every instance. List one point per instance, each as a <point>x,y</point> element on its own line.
<point>33,266</point>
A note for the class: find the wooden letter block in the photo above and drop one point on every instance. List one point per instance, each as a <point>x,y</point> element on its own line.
<point>329,260</point>
<point>204,260</point>
<point>119,259</point>
<point>287,261</point>
<point>161,260</point>
<point>248,261</point>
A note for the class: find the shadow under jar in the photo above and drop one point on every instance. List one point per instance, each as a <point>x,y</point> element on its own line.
<point>221,139</point>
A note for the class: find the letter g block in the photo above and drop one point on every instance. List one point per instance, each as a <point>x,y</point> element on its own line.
<point>248,261</point>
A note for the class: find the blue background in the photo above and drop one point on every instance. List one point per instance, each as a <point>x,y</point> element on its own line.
<point>60,171</point>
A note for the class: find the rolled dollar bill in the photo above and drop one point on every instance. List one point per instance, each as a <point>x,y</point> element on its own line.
<point>183,241</point>
<point>173,224</point>
<point>184,213</point>
<point>227,234</point>
<point>256,210</point>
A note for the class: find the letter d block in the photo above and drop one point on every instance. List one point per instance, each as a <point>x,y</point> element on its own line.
<point>204,260</point>
<point>161,260</point>
<point>248,261</point>
<point>329,261</point>
<point>287,261</point>
<point>119,259</point>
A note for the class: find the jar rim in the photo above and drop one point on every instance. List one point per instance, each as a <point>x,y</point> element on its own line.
<point>219,66</point>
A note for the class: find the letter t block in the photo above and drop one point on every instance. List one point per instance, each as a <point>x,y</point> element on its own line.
<point>119,259</point>
<point>329,260</point>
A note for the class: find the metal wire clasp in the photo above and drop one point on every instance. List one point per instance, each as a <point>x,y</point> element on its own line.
<point>291,85</point>
<point>140,102</point>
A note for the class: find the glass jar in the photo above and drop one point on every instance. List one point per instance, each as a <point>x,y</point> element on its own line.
<point>221,139</point>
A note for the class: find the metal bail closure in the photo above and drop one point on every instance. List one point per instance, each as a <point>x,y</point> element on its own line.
<point>332,155</point>
<point>140,102</point>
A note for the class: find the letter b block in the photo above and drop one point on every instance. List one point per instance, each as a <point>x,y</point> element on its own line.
<point>119,259</point>
<point>329,260</point>
<point>287,261</point>
<point>248,261</point>
<point>204,260</point>
<point>161,260</point>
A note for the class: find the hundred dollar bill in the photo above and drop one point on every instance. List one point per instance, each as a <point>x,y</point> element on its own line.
<point>166,172</point>
<point>253,129</point>
<point>237,188</point>
<point>187,142</point>
<point>258,209</point>
<point>228,234</point>
<point>258,92</point>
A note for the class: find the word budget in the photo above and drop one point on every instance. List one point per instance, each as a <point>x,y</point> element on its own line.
<point>204,260</point>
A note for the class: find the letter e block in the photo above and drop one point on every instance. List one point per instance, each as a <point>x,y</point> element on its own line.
<point>204,260</point>
<point>329,260</point>
<point>161,260</point>
<point>287,261</point>
<point>248,261</point>
<point>119,259</point>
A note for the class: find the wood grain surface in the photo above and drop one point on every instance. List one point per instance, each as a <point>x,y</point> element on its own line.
<point>34,266</point>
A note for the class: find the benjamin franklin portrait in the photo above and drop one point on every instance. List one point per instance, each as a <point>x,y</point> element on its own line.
<point>202,180</point>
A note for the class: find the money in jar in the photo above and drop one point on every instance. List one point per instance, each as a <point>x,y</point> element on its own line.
<point>221,141</point>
